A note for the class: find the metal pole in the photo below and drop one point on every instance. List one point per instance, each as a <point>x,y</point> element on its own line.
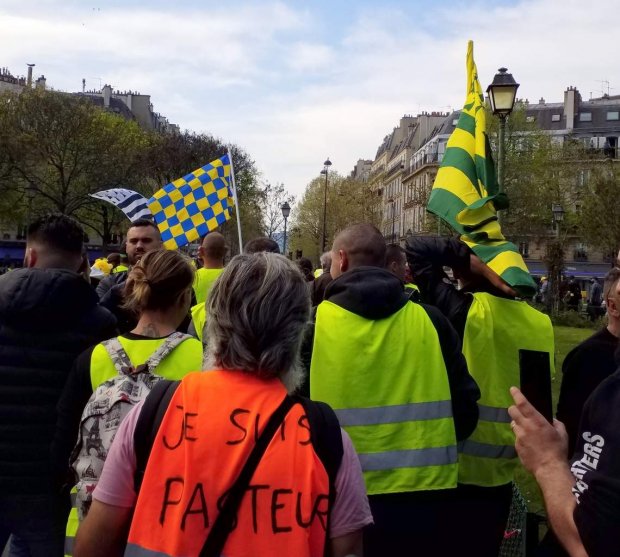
<point>324,239</point>
<point>500,159</point>
<point>284,244</point>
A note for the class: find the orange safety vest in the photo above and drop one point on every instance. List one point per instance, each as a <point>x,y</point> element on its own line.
<point>205,438</point>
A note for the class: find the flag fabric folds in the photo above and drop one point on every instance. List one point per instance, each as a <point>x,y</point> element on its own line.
<point>194,205</point>
<point>130,202</point>
<point>466,195</point>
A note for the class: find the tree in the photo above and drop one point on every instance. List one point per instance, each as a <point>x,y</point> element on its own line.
<point>348,202</point>
<point>273,197</point>
<point>62,148</point>
<point>598,221</point>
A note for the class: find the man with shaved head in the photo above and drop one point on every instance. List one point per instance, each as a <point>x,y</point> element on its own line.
<point>393,371</point>
<point>212,252</point>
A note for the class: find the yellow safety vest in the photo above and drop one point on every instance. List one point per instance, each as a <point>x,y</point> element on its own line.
<point>185,358</point>
<point>387,382</point>
<point>199,318</point>
<point>495,330</point>
<point>119,269</point>
<point>203,282</point>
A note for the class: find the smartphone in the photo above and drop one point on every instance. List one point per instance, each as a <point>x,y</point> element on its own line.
<point>535,371</point>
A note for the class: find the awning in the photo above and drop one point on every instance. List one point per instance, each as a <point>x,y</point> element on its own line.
<point>579,269</point>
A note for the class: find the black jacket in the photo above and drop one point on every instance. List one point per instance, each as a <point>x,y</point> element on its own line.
<point>427,257</point>
<point>111,295</point>
<point>47,318</point>
<point>375,293</point>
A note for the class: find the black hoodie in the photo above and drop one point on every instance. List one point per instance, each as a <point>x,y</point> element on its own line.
<point>374,293</point>
<point>47,318</point>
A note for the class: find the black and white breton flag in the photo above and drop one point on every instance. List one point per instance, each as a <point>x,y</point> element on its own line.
<point>130,202</point>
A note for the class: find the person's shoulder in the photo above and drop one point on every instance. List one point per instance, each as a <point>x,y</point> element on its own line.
<point>607,395</point>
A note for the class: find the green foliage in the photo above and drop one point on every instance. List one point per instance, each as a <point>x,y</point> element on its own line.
<point>577,320</point>
<point>598,220</point>
<point>56,149</point>
<point>348,202</point>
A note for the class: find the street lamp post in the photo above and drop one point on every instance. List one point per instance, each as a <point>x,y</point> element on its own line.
<point>325,171</point>
<point>286,211</point>
<point>392,239</point>
<point>556,257</point>
<point>502,94</point>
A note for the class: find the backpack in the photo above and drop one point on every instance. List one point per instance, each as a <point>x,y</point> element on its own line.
<point>107,408</point>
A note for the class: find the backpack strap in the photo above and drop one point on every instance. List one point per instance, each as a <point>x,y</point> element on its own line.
<point>119,357</point>
<point>326,437</point>
<point>225,522</point>
<point>152,413</point>
<point>167,346</point>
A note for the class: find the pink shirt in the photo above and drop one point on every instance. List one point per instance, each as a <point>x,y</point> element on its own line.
<point>351,511</point>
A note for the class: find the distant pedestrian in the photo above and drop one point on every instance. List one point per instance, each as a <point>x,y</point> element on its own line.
<point>573,294</point>
<point>595,300</point>
<point>143,236</point>
<point>322,281</point>
<point>212,252</point>
<point>306,268</point>
<point>261,244</point>
<point>48,315</point>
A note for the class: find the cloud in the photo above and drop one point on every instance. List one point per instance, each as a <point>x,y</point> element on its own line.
<point>271,78</point>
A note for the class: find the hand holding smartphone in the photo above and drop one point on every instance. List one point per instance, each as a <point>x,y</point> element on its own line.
<point>536,380</point>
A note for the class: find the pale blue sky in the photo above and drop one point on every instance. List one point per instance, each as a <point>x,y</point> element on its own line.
<point>294,82</point>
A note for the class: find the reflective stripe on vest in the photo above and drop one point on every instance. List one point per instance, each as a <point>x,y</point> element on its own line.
<point>387,381</point>
<point>72,525</point>
<point>186,357</point>
<point>395,414</point>
<point>495,330</point>
<point>132,550</point>
<point>199,318</point>
<point>206,435</point>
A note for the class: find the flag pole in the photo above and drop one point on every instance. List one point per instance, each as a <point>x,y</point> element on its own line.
<point>234,188</point>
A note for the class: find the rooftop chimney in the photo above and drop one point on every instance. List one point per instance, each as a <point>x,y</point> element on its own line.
<point>40,83</point>
<point>572,98</point>
<point>29,82</point>
<point>83,85</point>
<point>107,94</point>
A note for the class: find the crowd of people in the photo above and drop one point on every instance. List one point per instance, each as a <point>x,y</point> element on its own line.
<point>257,407</point>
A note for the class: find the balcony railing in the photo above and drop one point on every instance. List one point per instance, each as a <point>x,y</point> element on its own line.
<point>430,158</point>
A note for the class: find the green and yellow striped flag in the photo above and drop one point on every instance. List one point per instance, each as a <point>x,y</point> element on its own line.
<point>466,195</point>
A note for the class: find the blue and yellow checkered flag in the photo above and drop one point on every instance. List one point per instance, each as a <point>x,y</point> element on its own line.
<point>194,205</point>
<point>466,195</point>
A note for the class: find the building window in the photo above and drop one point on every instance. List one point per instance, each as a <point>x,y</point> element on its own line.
<point>555,117</point>
<point>524,249</point>
<point>585,117</point>
<point>613,115</point>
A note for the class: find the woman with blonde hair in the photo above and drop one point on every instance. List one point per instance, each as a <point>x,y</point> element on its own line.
<point>110,377</point>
